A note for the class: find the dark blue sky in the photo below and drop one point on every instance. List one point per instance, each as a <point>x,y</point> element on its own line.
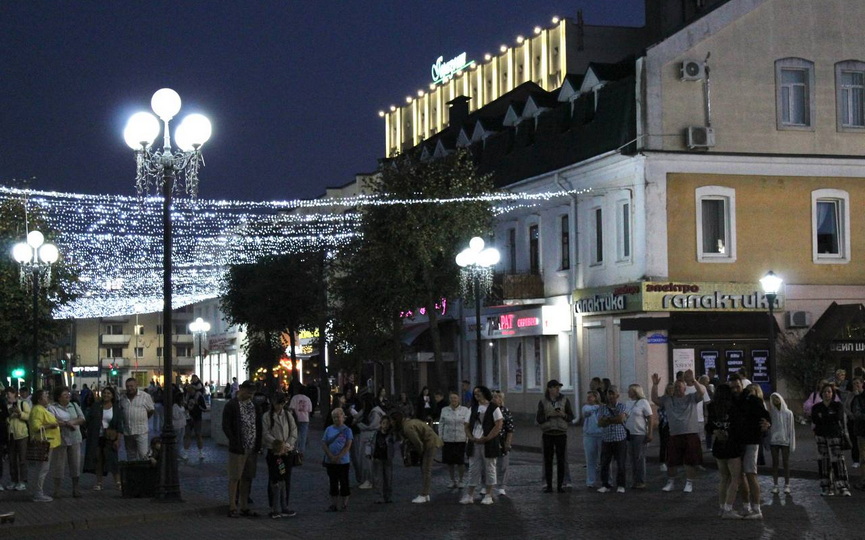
<point>293,88</point>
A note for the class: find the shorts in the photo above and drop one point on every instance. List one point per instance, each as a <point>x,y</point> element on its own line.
<point>242,465</point>
<point>454,453</point>
<point>684,449</point>
<point>749,458</point>
<point>193,426</point>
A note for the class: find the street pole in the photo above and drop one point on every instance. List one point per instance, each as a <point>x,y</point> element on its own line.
<point>480,348</point>
<point>34,280</point>
<point>772,360</point>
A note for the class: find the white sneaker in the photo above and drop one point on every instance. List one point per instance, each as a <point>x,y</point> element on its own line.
<point>663,467</point>
<point>787,489</point>
<point>366,485</point>
<point>39,497</point>
<point>488,499</point>
<point>731,514</point>
<point>21,486</point>
<point>669,486</point>
<point>855,464</point>
<point>689,487</point>
<point>467,499</point>
<point>754,514</point>
<point>604,489</point>
<point>501,491</point>
<point>620,489</point>
<point>420,499</point>
<point>483,491</point>
<point>775,489</point>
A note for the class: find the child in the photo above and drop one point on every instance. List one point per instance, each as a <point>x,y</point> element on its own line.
<point>782,438</point>
<point>383,447</point>
<point>155,451</point>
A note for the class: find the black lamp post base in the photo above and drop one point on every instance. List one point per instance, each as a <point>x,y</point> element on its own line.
<point>169,479</point>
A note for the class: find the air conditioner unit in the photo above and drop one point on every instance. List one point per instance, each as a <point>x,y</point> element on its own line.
<point>798,319</point>
<point>699,137</point>
<point>693,70</point>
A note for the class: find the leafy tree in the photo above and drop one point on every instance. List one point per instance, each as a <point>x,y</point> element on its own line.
<point>407,254</point>
<point>16,302</point>
<point>276,295</point>
<point>803,363</point>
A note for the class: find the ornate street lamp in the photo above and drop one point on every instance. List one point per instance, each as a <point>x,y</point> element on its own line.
<point>477,263</point>
<point>771,284</point>
<point>200,327</point>
<point>35,258</point>
<point>162,168</point>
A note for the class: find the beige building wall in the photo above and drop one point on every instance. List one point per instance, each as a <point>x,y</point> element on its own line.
<point>743,39</point>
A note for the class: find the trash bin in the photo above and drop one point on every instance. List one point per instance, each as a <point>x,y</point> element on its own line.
<point>139,478</point>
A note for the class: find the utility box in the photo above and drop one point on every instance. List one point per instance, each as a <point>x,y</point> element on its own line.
<point>139,479</point>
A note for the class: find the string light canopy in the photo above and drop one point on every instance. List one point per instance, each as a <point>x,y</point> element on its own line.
<point>115,242</point>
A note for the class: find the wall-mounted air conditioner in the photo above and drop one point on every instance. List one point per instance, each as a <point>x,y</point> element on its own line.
<point>692,70</point>
<point>798,319</point>
<point>699,137</point>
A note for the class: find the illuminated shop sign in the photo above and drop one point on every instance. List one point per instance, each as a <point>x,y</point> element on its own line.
<point>672,296</point>
<point>442,70</point>
<point>85,369</point>
<point>546,320</point>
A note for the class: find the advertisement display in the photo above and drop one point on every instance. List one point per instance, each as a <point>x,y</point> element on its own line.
<point>710,361</point>
<point>735,361</point>
<point>683,360</point>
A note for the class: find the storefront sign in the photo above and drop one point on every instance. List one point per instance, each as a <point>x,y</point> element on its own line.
<point>699,296</point>
<point>546,320</point>
<point>618,299</point>
<point>218,342</point>
<point>85,369</point>
<point>442,70</point>
<point>657,338</point>
<point>847,346</point>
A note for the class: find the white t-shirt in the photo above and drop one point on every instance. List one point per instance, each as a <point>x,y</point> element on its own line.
<point>639,414</point>
<point>706,399</point>
<point>478,428</point>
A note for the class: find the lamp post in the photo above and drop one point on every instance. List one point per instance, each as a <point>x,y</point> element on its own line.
<point>160,169</point>
<point>35,258</point>
<point>771,284</point>
<point>477,262</point>
<point>200,327</point>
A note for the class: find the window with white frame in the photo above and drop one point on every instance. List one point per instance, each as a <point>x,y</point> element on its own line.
<point>794,85</point>
<point>596,244</point>
<point>830,225</point>
<point>850,95</point>
<point>114,329</point>
<point>114,352</point>
<point>139,352</point>
<point>623,230</point>
<point>566,242</point>
<point>184,350</point>
<point>716,224</point>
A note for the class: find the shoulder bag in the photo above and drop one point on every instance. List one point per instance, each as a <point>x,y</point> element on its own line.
<point>39,448</point>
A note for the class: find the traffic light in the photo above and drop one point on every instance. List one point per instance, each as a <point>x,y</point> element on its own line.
<point>113,370</point>
<point>18,373</point>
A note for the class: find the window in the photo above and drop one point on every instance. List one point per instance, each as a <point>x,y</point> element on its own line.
<point>716,224</point>
<point>180,329</point>
<point>512,250</point>
<point>114,352</point>
<point>159,329</point>
<point>139,352</point>
<point>794,81</point>
<point>566,242</point>
<point>159,352</point>
<point>139,329</point>
<point>597,237</point>
<point>184,350</point>
<point>623,230</point>
<point>114,329</point>
<point>534,250</point>
<point>830,225</point>
<point>850,95</point>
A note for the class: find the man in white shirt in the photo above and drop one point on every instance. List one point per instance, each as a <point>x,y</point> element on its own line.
<point>302,407</point>
<point>638,413</point>
<point>137,409</point>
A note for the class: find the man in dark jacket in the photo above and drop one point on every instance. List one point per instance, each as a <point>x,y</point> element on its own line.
<point>241,423</point>
<point>554,415</point>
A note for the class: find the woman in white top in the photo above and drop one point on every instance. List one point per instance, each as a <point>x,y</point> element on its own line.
<point>279,436</point>
<point>482,430</point>
<point>452,431</point>
<point>638,412</point>
<point>782,438</point>
<point>70,417</point>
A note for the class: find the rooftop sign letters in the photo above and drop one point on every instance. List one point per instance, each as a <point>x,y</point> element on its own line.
<point>442,70</point>
<point>673,296</point>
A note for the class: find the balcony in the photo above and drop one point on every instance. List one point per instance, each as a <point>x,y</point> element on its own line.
<point>521,286</point>
<point>184,362</point>
<point>183,339</point>
<point>115,339</point>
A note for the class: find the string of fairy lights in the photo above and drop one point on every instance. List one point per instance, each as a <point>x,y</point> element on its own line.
<point>114,242</point>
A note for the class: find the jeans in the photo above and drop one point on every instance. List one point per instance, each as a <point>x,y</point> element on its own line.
<point>554,444</point>
<point>609,451</point>
<point>502,470</point>
<point>382,473</point>
<point>592,447</point>
<point>18,460</point>
<point>302,430</point>
<point>637,454</point>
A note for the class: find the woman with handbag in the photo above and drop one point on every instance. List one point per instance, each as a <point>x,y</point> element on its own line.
<point>279,436</point>
<point>44,437</point>
<point>482,430</point>
<point>70,417</point>
<point>104,424</point>
<point>336,443</point>
<point>830,433</point>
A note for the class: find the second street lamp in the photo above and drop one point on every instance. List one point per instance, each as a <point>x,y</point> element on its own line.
<point>200,327</point>
<point>161,168</point>
<point>35,258</point>
<point>771,284</point>
<point>478,262</point>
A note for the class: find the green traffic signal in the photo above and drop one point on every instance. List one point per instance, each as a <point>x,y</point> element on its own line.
<point>18,373</point>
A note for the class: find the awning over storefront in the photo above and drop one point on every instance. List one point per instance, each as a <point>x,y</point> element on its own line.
<point>842,326</point>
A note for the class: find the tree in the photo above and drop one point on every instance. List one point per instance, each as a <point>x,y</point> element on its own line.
<point>407,253</point>
<point>274,296</point>
<point>16,302</point>
<point>803,362</point>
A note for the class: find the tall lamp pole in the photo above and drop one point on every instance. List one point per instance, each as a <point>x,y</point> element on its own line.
<point>200,327</point>
<point>160,169</point>
<point>35,258</point>
<point>771,284</point>
<point>477,262</point>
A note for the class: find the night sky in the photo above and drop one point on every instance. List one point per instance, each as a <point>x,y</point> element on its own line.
<point>293,88</point>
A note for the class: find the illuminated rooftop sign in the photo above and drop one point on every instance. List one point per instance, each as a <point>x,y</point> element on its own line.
<point>442,70</point>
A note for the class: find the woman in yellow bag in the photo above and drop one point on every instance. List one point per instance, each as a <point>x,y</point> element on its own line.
<point>43,426</point>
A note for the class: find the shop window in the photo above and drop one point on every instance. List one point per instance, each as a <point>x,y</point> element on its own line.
<point>512,251</point>
<point>534,249</point>
<point>597,237</point>
<point>850,95</point>
<point>830,225</point>
<point>716,224</point>
<point>623,230</point>
<point>566,242</point>
<point>794,82</point>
